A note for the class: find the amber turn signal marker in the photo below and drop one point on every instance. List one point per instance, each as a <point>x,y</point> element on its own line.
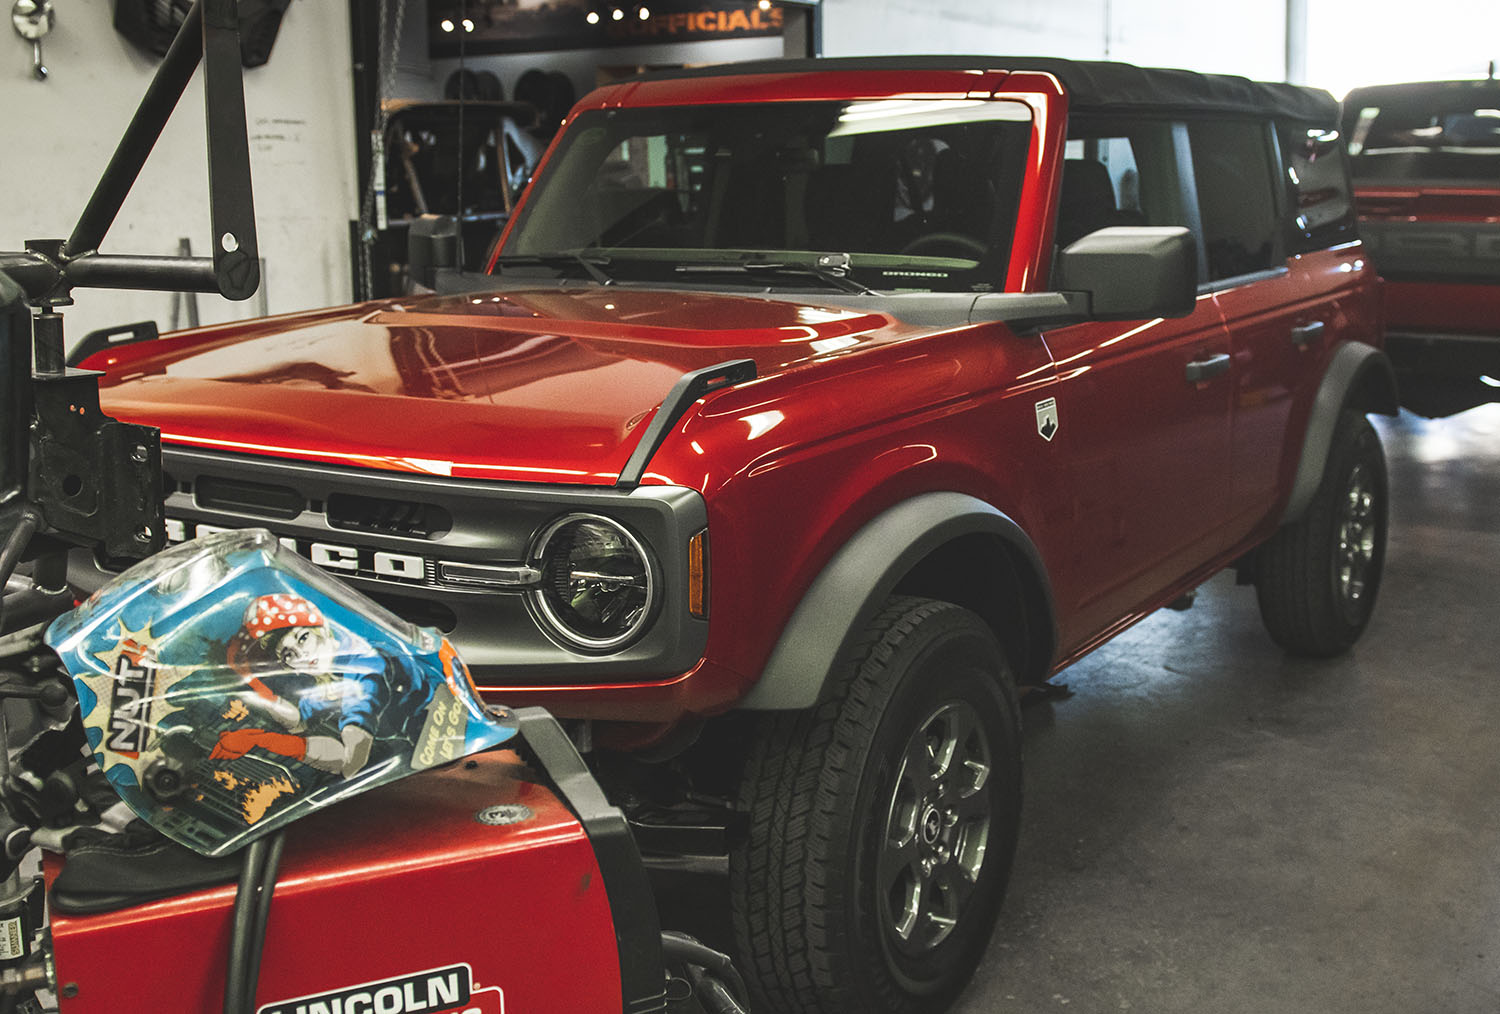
<point>698,574</point>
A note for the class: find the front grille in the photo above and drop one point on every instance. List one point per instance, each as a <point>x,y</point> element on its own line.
<point>389,533</point>
<point>422,612</point>
<point>410,518</point>
<point>241,497</point>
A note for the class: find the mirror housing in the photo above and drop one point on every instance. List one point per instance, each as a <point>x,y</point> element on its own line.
<point>1132,272</point>
<point>431,244</point>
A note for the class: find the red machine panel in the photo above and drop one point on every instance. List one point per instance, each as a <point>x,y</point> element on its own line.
<point>464,890</point>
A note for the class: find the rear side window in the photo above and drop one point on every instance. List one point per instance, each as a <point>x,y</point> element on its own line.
<point>1232,167</point>
<point>1441,138</point>
<point>1318,181</point>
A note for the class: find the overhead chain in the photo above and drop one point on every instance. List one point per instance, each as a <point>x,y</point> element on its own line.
<point>388,48</point>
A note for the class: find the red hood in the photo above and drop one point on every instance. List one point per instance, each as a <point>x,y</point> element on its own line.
<point>529,385</point>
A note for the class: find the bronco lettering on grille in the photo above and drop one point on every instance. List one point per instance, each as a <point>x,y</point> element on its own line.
<point>360,561</point>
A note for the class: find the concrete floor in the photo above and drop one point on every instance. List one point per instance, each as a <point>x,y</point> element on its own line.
<point>1214,827</point>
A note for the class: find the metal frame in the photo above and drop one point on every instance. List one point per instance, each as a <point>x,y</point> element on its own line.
<point>68,472</point>
<point>49,269</point>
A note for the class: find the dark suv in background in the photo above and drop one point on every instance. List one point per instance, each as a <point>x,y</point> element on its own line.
<point>1426,164</point>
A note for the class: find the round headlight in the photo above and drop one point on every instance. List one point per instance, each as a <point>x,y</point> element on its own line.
<point>598,587</point>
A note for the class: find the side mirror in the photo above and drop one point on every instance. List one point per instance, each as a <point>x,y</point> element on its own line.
<point>431,244</point>
<point>1132,272</point>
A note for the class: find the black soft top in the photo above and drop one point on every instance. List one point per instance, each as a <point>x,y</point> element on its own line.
<point>1091,84</point>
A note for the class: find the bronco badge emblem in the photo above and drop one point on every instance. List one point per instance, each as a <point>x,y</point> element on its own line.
<point>1046,418</point>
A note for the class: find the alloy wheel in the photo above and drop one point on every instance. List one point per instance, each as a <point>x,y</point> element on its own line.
<point>1357,523</point>
<point>936,830</point>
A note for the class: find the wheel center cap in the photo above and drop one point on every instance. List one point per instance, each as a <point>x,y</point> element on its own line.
<point>932,825</point>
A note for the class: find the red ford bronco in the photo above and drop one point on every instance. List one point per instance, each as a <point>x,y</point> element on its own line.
<point>808,410</point>
<point>1426,164</point>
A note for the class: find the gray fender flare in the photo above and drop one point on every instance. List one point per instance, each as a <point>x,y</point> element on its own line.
<point>1357,371</point>
<point>855,584</point>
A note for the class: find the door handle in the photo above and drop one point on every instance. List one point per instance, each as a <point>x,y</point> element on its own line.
<point>1305,334</point>
<point>1200,370</point>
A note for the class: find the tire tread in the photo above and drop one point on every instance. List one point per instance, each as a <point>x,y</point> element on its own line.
<point>799,769</point>
<point>1298,603</point>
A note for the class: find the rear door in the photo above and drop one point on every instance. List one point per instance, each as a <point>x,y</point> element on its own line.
<point>1276,308</point>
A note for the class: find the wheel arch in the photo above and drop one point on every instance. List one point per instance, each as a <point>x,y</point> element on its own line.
<point>941,545</point>
<point>1359,376</point>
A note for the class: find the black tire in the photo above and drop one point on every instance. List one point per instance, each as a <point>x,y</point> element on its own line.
<point>461,84</point>
<point>467,84</point>
<point>827,914</point>
<point>1318,577</point>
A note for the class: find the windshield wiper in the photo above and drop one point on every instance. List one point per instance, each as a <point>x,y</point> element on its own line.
<point>594,264</point>
<point>828,269</point>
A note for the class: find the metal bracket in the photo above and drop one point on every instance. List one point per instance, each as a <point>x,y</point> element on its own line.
<point>94,478</point>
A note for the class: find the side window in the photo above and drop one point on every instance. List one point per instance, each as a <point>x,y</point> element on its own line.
<point>1319,184</point>
<point>1117,172</point>
<point>1232,167</point>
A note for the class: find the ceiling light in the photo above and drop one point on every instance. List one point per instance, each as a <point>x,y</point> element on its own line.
<point>643,13</point>
<point>765,5</point>
<point>447,25</point>
<point>468,25</point>
<point>593,17</point>
<point>617,14</point>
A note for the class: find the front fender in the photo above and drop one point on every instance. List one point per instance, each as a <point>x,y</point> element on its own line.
<point>862,575</point>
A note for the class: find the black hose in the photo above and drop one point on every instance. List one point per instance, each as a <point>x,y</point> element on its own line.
<point>711,994</point>
<point>677,946</point>
<point>252,912</point>
<point>245,897</point>
<point>266,888</point>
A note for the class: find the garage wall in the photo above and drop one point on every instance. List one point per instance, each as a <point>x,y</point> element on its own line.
<point>580,64</point>
<point>1170,33</point>
<point>415,78</point>
<point>300,111</point>
<point>1233,36</point>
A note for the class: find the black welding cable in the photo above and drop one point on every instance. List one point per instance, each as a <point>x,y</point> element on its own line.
<point>712,994</point>
<point>244,918</point>
<point>266,888</point>
<point>676,946</point>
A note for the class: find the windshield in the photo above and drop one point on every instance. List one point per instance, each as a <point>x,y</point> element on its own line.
<point>1453,138</point>
<point>892,194</point>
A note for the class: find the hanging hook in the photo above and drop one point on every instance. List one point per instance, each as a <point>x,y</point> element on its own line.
<point>32,20</point>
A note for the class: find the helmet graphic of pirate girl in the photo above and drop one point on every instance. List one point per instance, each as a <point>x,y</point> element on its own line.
<point>283,629</point>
